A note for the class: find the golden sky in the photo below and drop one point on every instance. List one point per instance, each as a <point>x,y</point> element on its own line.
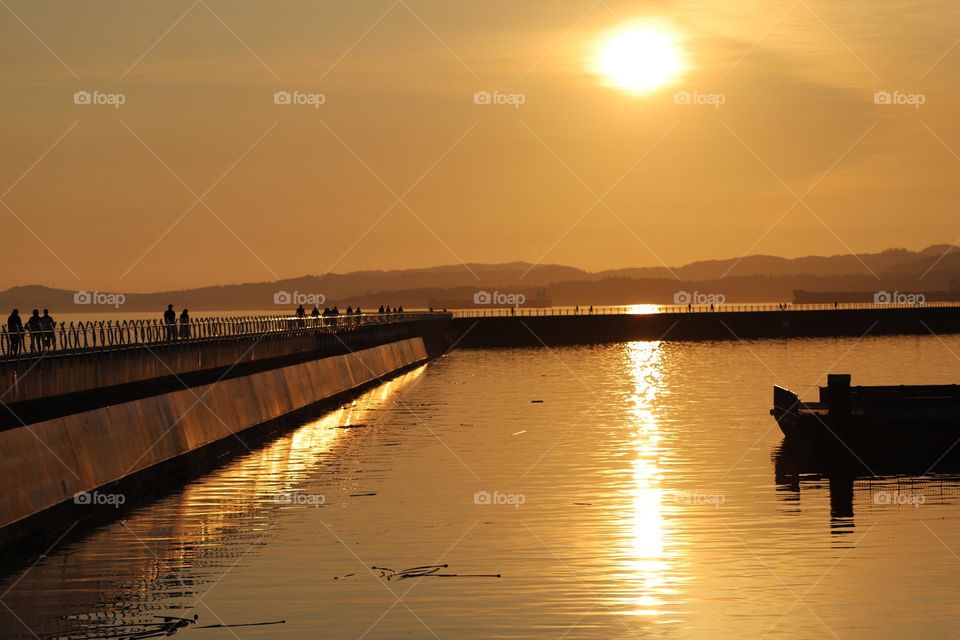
<point>200,178</point>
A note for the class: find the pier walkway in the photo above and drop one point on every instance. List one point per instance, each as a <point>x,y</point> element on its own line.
<point>118,335</point>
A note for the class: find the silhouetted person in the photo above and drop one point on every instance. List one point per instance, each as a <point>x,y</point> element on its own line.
<point>34,327</point>
<point>315,313</point>
<point>513,311</point>
<point>170,321</point>
<point>15,331</point>
<point>47,326</point>
<point>711,306</point>
<point>591,310</point>
<point>380,310</point>
<point>400,309</point>
<point>357,311</point>
<point>349,310</point>
<point>184,324</point>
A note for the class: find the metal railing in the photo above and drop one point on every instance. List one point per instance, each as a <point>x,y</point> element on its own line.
<point>649,309</point>
<point>107,335</point>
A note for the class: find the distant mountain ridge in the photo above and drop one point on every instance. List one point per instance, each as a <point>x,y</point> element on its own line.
<point>748,279</point>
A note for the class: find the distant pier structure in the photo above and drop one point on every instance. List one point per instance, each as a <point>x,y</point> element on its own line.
<point>533,327</point>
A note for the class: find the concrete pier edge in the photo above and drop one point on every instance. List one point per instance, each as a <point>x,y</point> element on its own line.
<point>201,442</point>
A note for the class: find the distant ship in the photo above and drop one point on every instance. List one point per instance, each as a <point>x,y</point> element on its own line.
<point>801,296</point>
<point>829,297</point>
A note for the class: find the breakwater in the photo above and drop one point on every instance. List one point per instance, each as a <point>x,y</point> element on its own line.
<point>161,412</point>
<point>535,328</point>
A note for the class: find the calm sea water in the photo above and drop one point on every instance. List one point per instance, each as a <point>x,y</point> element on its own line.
<point>639,499</point>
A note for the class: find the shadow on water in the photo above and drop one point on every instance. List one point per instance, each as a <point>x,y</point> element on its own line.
<point>889,476</point>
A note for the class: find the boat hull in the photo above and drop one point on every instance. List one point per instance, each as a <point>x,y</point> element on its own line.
<point>870,423</point>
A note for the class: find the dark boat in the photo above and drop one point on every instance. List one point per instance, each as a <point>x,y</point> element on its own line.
<point>868,418</point>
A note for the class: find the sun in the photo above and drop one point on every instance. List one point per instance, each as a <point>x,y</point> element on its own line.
<point>640,59</point>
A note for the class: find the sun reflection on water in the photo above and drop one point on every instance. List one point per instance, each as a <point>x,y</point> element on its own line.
<point>648,549</point>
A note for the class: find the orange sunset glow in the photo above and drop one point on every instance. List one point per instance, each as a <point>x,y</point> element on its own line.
<point>546,319</point>
<point>629,134</point>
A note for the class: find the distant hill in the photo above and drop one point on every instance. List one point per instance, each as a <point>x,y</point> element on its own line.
<point>750,279</point>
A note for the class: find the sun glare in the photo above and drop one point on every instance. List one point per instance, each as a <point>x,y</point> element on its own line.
<point>640,59</point>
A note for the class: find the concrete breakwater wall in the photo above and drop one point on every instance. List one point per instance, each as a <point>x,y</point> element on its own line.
<point>46,463</point>
<point>553,330</point>
<point>115,372</point>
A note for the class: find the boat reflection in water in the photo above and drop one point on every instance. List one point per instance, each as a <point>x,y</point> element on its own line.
<point>871,479</point>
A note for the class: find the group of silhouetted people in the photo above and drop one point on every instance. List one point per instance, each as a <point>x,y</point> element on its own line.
<point>334,312</point>
<point>176,329</point>
<point>328,313</point>
<point>40,327</point>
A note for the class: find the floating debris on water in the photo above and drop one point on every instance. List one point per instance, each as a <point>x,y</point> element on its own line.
<point>171,625</point>
<point>344,576</point>
<point>360,495</point>
<point>518,433</point>
<point>245,624</point>
<point>353,426</point>
<point>428,571</point>
<point>537,401</point>
<point>583,504</point>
